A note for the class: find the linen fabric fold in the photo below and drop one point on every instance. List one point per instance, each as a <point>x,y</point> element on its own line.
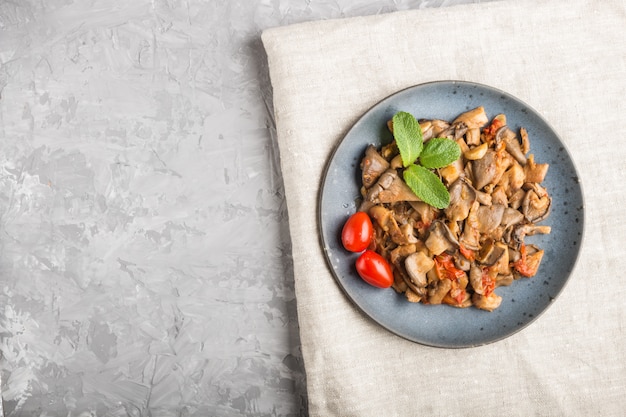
<point>565,59</point>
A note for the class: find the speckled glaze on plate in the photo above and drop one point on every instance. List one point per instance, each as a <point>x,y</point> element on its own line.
<point>525,299</point>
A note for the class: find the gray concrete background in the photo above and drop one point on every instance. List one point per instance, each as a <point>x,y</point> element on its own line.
<point>145,262</point>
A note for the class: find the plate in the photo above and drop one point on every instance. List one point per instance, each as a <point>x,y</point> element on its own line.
<point>442,325</point>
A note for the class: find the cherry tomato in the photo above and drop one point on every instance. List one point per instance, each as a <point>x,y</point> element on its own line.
<point>357,232</point>
<point>374,269</point>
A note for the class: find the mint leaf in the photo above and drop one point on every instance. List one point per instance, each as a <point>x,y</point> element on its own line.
<point>408,135</point>
<point>439,152</point>
<point>427,186</point>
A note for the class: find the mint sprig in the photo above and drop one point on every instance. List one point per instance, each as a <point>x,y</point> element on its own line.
<point>427,186</point>
<point>418,159</point>
<point>439,152</point>
<point>408,135</point>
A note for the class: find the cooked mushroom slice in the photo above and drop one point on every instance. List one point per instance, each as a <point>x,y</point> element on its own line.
<point>450,173</point>
<point>513,179</point>
<point>528,263</point>
<point>498,196</point>
<point>504,280</point>
<point>462,262</point>
<point>536,203</point>
<point>476,152</point>
<point>426,212</point>
<point>404,235</point>
<point>396,162</point>
<point>372,166</point>
<point>489,303</point>
<point>484,169</point>
<point>438,289</point>
<point>400,235</point>
<point>399,254</point>
<point>390,188</point>
<point>525,142</point>
<point>472,119</point>
<point>489,217</point>
<point>528,229</point>
<point>433,128</point>
<point>472,137</point>
<point>504,160</point>
<point>460,130</point>
<point>457,297</point>
<point>484,198</point>
<point>417,265</point>
<point>491,252</point>
<point>535,172</point>
<point>501,265</point>
<point>476,278</point>
<point>511,217</point>
<point>462,196</point>
<point>513,147</point>
<point>399,282</point>
<point>471,235</point>
<point>412,297</point>
<point>440,239</point>
<point>515,200</point>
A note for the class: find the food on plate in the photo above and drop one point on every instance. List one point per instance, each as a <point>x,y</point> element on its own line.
<point>357,232</point>
<point>374,269</point>
<point>450,204</point>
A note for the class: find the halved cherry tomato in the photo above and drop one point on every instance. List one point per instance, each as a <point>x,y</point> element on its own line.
<point>357,232</point>
<point>374,269</point>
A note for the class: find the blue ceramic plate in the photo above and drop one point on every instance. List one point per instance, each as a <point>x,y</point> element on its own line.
<point>442,325</point>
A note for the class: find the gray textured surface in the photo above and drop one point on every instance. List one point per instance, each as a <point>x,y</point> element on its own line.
<point>144,248</point>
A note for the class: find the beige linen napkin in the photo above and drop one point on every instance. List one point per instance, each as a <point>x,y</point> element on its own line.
<point>567,59</point>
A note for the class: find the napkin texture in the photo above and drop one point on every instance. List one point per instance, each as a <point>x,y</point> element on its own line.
<point>567,59</point>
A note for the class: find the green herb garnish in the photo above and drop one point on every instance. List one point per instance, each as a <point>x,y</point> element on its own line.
<point>436,153</point>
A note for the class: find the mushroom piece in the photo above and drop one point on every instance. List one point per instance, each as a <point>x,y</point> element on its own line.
<point>536,203</point>
<point>511,217</point>
<point>525,142</point>
<point>462,196</point>
<point>498,196</point>
<point>511,143</point>
<point>513,179</point>
<point>372,166</point>
<point>472,119</point>
<point>400,253</point>
<point>489,217</point>
<point>450,173</point>
<point>390,188</point>
<point>438,289</point>
<point>472,137</point>
<point>535,172</point>
<point>484,198</point>
<point>433,128</point>
<point>471,235</point>
<point>440,239</point>
<point>484,169</point>
<point>515,200</point>
<point>425,211</point>
<point>488,303</point>
<point>476,278</point>
<point>528,229</point>
<point>417,265</point>
<point>400,235</point>
<point>491,252</point>
<point>529,260</point>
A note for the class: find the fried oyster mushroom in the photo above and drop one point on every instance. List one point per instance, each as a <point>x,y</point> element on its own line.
<point>460,255</point>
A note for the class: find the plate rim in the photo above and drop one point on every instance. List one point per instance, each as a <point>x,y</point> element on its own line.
<point>325,176</point>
